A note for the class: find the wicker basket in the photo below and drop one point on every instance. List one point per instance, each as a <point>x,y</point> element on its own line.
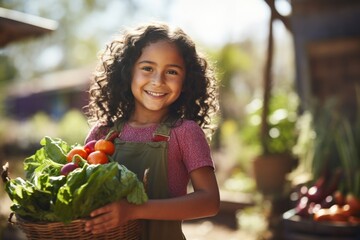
<point>74,230</point>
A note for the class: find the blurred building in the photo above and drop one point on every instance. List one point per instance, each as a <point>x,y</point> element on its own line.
<point>54,94</point>
<point>16,26</point>
<point>327,50</point>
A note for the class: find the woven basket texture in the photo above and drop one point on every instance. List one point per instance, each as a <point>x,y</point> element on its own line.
<point>75,230</point>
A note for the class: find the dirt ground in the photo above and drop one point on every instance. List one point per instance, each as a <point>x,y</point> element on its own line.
<point>207,230</point>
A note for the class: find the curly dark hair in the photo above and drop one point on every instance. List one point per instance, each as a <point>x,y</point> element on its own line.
<point>110,92</point>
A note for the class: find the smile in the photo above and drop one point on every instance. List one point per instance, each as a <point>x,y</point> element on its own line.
<point>155,94</point>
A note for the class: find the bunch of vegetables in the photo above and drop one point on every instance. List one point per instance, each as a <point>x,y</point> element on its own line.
<point>52,192</point>
<point>323,201</point>
<point>335,193</point>
<point>94,152</point>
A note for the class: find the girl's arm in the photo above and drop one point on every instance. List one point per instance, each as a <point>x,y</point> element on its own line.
<point>203,202</point>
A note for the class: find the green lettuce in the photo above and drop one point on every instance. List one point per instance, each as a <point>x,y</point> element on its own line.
<point>45,195</point>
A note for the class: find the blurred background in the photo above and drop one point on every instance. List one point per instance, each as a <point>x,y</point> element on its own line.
<point>278,62</point>
<point>44,79</point>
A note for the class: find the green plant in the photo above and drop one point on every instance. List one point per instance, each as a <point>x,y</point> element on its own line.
<point>304,148</point>
<point>315,147</point>
<point>347,141</point>
<point>329,141</point>
<point>281,135</point>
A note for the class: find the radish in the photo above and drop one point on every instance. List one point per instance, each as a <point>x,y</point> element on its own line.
<point>90,146</point>
<point>67,168</point>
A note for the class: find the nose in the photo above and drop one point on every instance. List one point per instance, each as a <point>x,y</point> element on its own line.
<point>157,79</point>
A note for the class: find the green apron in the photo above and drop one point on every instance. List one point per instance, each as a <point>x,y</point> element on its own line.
<point>152,158</point>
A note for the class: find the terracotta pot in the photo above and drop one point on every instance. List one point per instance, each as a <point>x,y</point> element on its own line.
<point>270,172</point>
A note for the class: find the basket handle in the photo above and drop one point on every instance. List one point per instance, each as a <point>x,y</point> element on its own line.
<point>10,218</point>
<point>5,173</point>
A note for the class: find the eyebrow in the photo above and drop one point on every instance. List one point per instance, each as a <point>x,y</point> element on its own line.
<point>171,65</point>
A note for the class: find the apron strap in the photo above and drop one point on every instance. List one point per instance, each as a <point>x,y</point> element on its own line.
<point>162,133</point>
<point>118,126</point>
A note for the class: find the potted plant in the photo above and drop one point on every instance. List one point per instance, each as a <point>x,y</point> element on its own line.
<point>275,159</point>
<point>277,137</point>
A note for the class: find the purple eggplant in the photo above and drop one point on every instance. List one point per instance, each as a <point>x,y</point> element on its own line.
<point>316,194</point>
<point>327,202</point>
<point>302,207</point>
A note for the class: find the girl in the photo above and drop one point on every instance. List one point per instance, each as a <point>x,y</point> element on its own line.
<point>154,88</point>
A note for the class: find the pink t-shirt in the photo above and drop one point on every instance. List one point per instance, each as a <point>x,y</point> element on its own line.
<point>188,150</point>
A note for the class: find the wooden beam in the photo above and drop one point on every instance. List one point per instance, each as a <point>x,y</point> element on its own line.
<point>285,20</point>
<point>16,26</point>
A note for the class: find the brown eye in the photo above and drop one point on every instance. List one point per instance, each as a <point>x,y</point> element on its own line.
<point>147,69</point>
<point>172,72</point>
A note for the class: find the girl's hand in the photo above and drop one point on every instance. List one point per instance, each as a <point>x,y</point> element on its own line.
<point>108,217</point>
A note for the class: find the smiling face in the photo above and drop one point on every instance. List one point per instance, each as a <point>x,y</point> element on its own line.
<point>157,80</point>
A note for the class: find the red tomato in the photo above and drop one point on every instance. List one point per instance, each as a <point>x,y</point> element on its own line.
<point>322,215</point>
<point>354,204</point>
<point>339,198</point>
<point>346,210</point>
<point>337,214</point>
<point>354,220</point>
<point>97,157</point>
<point>76,150</point>
<point>105,146</point>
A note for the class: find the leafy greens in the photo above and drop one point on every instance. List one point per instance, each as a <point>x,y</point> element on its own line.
<point>45,195</point>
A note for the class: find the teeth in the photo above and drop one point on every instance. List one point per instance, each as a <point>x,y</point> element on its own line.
<point>155,94</point>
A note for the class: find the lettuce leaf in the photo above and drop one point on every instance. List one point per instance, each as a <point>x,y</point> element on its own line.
<point>94,186</point>
<point>47,160</point>
<point>45,195</point>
